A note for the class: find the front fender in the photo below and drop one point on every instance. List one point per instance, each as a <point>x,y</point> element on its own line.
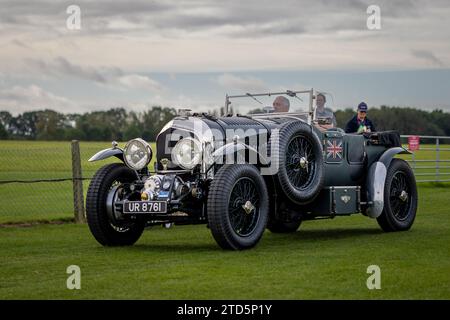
<point>106,153</point>
<point>376,179</point>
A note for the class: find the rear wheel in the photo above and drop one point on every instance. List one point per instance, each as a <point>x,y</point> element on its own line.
<point>282,219</point>
<point>277,226</point>
<point>103,221</point>
<point>400,198</point>
<point>237,206</point>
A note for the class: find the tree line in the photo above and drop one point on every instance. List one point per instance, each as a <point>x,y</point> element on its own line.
<point>120,124</point>
<point>114,124</point>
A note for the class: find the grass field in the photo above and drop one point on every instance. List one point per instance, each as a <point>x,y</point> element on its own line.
<point>28,160</point>
<point>324,260</point>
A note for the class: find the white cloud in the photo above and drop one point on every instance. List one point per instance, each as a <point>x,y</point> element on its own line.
<point>136,81</point>
<point>19,99</point>
<point>246,84</point>
<point>230,35</point>
<point>62,67</point>
<point>109,76</point>
<point>122,45</point>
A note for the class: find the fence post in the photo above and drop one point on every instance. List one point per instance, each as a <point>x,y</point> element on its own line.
<point>437,159</point>
<point>78,197</point>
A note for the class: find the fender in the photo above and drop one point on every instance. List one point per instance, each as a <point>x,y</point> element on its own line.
<point>376,179</point>
<point>106,153</point>
<point>236,147</point>
<point>389,154</point>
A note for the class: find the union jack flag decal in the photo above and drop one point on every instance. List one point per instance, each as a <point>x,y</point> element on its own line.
<point>334,150</point>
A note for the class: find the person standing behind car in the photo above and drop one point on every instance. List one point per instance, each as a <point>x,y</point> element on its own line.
<point>360,123</point>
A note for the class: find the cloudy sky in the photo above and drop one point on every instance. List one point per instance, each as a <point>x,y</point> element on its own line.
<point>189,54</point>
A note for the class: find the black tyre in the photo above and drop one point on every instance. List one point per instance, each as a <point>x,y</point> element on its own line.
<point>238,206</point>
<point>103,189</point>
<point>278,226</point>
<point>300,162</point>
<point>281,218</point>
<point>400,198</point>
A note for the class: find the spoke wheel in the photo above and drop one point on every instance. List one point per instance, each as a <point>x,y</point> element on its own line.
<point>102,218</point>
<point>244,207</point>
<point>237,206</point>
<point>300,162</point>
<point>297,154</point>
<point>400,198</point>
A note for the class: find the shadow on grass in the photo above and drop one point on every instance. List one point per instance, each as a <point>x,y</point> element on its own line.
<point>303,238</point>
<point>270,240</point>
<point>176,247</point>
<point>332,234</point>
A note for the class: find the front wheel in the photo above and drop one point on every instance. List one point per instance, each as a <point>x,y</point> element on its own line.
<point>238,205</point>
<point>400,198</point>
<point>104,190</point>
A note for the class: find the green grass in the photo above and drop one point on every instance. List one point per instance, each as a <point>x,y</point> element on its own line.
<point>422,169</point>
<point>325,259</point>
<point>28,160</point>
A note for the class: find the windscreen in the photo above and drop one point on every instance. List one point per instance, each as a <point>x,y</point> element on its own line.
<point>255,104</point>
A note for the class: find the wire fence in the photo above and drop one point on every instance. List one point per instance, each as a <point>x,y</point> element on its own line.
<point>37,180</point>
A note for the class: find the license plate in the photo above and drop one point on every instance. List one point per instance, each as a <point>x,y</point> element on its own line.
<point>145,207</point>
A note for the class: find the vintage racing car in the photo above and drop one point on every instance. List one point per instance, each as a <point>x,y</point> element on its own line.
<point>242,174</point>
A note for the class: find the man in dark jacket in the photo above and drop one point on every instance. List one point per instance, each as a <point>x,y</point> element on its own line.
<point>360,123</point>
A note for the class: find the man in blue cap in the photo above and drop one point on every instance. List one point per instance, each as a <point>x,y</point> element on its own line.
<point>360,123</point>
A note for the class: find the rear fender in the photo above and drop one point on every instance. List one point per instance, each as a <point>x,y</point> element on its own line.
<point>389,154</point>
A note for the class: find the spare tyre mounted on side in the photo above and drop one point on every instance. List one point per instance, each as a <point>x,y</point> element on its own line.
<point>300,162</point>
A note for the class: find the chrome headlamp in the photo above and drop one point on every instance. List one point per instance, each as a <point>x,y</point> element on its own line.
<point>187,153</point>
<point>137,154</point>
